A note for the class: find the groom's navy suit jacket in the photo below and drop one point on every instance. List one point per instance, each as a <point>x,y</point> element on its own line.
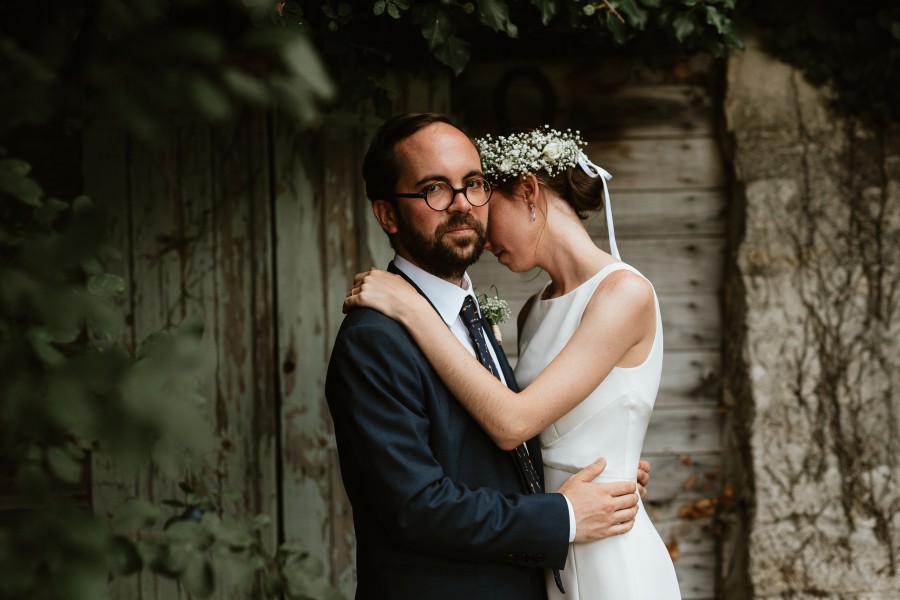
<point>439,510</point>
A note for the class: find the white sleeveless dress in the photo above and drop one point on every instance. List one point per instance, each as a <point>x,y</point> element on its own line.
<point>610,423</point>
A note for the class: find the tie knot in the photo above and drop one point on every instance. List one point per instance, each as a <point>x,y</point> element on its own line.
<point>469,311</point>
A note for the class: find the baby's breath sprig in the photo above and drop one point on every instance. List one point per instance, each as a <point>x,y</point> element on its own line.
<point>505,157</point>
<point>496,310</point>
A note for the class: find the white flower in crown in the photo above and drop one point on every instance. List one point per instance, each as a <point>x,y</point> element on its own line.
<point>552,151</point>
<point>515,155</point>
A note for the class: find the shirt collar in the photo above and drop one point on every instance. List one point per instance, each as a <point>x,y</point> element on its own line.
<point>446,297</point>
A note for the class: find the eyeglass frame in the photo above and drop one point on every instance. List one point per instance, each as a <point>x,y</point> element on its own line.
<point>455,191</point>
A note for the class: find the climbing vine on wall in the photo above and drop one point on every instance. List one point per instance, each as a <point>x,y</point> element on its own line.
<point>853,46</point>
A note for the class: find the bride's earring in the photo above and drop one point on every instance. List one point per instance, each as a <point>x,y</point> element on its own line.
<point>533,214</point>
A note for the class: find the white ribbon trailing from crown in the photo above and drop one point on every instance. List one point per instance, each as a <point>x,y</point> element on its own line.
<point>597,171</point>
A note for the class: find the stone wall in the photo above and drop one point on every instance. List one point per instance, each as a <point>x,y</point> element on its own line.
<point>812,344</point>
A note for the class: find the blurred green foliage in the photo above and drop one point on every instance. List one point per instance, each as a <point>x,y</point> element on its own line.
<point>137,62</point>
<point>68,389</point>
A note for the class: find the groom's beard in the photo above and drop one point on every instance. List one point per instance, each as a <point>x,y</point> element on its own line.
<point>444,257</point>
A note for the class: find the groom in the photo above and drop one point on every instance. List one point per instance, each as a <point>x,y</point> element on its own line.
<point>440,512</point>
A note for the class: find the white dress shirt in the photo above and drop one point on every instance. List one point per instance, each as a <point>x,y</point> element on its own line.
<point>448,299</point>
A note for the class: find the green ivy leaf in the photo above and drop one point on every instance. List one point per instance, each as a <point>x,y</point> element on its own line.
<point>379,7</point>
<point>303,62</point>
<point>616,28</point>
<point>495,14</point>
<point>684,26</point>
<point>198,576</point>
<point>64,465</point>
<point>155,344</point>
<point>261,521</point>
<point>191,326</point>
<point>106,285</point>
<point>82,204</point>
<point>41,342</point>
<point>125,558</point>
<point>273,584</point>
<point>715,18</point>
<point>15,181</point>
<point>547,8</point>
<point>437,26</point>
<point>652,3</point>
<point>454,53</point>
<point>210,99</point>
<point>732,37</point>
<point>136,514</point>
<point>636,17</point>
<point>245,85</point>
<point>47,214</point>
<point>234,536</point>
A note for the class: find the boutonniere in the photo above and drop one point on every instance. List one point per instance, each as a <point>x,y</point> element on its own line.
<point>496,310</point>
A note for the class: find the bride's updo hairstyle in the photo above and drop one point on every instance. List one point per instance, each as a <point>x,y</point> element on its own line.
<point>578,189</point>
<point>557,160</point>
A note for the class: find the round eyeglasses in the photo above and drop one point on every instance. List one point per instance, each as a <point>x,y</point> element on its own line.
<point>440,195</point>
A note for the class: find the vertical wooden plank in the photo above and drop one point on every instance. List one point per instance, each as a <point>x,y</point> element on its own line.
<point>105,170</point>
<point>343,247</point>
<point>266,417</point>
<point>241,313</point>
<point>155,286</point>
<point>302,327</point>
<point>193,246</point>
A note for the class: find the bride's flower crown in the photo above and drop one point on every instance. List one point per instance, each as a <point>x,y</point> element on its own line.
<point>505,157</point>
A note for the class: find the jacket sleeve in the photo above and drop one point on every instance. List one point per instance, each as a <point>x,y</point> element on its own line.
<point>375,385</point>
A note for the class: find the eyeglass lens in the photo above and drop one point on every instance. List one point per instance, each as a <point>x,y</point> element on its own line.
<point>440,195</point>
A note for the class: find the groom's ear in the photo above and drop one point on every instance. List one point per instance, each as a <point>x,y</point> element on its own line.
<point>386,214</point>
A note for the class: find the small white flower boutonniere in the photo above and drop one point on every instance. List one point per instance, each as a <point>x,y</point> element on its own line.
<point>496,310</point>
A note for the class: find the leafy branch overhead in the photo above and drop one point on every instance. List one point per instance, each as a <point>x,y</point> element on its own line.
<point>361,40</point>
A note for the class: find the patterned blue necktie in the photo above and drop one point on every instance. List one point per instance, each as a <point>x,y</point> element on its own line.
<point>473,323</point>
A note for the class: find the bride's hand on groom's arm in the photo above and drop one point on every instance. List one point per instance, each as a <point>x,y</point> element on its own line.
<point>601,510</point>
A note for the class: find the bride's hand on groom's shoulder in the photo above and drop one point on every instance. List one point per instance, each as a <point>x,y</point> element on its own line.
<point>601,510</point>
<point>385,292</point>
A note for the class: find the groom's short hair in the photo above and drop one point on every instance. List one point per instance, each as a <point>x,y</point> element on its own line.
<point>380,168</point>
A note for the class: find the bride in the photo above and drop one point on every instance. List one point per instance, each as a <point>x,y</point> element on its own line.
<point>590,348</point>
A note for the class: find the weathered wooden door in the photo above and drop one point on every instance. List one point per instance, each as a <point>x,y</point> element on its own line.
<point>259,228</point>
<point>654,130</point>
